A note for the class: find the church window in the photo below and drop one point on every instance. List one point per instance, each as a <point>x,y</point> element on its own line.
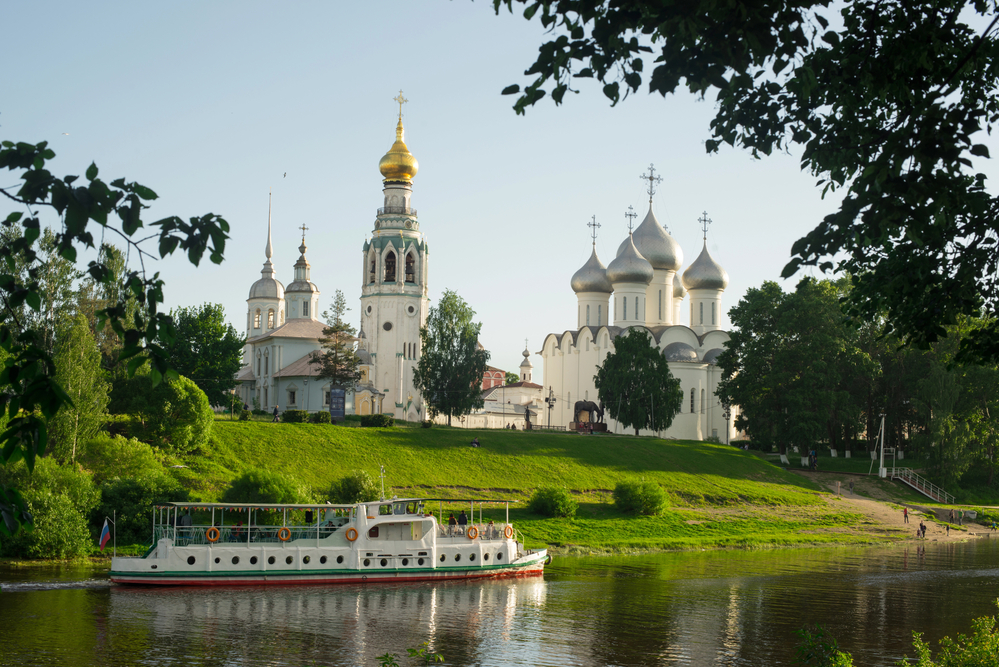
<point>625,300</point>
<point>599,315</point>
<point>660,305</point>
<point>713,312</point>
<point>587,315</point>
<point>702,401</point>
<point>637,316</point>
<point>390,267</point>
<point>291,398</point>
<point>364,376</point>
<point>702,314</point>
<point>410,268</point>
<point>266,402</point>
<point>371,272</point>
<point>692,400</point>
<point>267,365</point>
<point>258,366</point>
<point>326,397</point>
<point>270,319</point>
<point>256,319</point>
<point>587,395</point>
<point>305,309</point>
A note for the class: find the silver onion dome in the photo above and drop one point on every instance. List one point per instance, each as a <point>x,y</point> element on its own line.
<point>591,277</point>
<point>656,245</point>
<point>630,267</point>
<point>705,273</point>
<point>711,356</point>
<point>678,291</point>
<point>679,352</point>
<point>268,286</point>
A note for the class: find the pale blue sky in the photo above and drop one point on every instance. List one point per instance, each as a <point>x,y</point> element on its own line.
<point>210,104</point>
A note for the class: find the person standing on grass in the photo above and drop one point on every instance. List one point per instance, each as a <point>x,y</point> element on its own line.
<point>952,515</point>
<point>905,514</point>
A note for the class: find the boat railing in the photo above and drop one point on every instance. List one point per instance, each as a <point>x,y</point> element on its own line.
<point>486,532</point>
<point>184,536</point>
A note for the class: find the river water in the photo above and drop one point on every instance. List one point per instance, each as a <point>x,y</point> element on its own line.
<point>705,608</point>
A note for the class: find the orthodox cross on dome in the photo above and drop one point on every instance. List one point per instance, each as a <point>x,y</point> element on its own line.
<point>652,179</point>
<point>594,226</point>
<point>705,221</point>
<point>401,100</point>
<point>631,215</point>
<point>303,228</point>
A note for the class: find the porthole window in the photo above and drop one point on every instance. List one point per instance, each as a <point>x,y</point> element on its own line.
<point>457,557</point>
<point>419,562</point>
<point>270,560</point>
<point>387,326</point>
<point>367,562</point>
<point>369,310</point>
<point>218,560</point>
<point>339,559</point>
<point>411,310</point>
<point>384,562</point>
<point>190,560</point>
<point>442,558</point>
<point>485,556</point>
<point>472,557</point>
<point>235,560</point>
<point>253,560</point>
<point>289,560</point>
<point>323,560</point>
<point>307,559</point>
<point>499,556</point>
<point>405,561</point>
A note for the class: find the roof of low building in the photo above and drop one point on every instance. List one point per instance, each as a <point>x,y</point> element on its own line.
<point>297,328</point>
<point>245,374</point>
<point>299,368</point>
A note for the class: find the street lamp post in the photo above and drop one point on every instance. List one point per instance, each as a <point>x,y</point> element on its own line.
<point>727,414</point>
<point>551,404</point>
<point>306,383</point>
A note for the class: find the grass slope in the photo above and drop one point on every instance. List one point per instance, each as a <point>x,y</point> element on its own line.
<point>720,495</point>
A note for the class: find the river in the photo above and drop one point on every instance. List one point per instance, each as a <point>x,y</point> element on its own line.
<point>704,608</point>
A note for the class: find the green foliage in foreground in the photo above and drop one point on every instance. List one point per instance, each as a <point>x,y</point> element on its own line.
<point>640,498</point>
<point>130,500</point>
<point>553,501</point>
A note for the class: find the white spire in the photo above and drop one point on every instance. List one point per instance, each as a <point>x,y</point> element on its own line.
<point>269,251</point>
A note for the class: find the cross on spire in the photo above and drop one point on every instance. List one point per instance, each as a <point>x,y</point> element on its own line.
<point>303,228</point>
<point>705,221</point>
<point>631,215</point>
<point>401,100</point>
<point>652,179</point>
<point>594,226</point>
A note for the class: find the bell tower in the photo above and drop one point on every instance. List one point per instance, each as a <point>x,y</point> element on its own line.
<point>394,301</point>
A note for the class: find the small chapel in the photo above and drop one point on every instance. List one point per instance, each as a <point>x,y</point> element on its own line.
<point>283,327</point>
<point>647,289</point>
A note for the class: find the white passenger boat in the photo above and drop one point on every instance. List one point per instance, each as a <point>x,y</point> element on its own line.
<point>381,541</point>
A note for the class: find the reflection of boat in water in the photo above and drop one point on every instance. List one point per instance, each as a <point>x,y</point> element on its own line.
<point>380,541</point>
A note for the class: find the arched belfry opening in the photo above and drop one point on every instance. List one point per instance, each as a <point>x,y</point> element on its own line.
<point>371,271</point>
<point>390,267</point>
<point>410,268</point>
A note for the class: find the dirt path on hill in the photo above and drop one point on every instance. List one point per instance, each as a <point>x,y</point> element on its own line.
<point>885,514</point>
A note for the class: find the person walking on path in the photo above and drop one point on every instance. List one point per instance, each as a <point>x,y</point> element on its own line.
<point>275,415</point>
<point>952,515</point>
<point>960,518</point>
<point>905,514</point>
<point>922,529</point>
<point>948,529</point>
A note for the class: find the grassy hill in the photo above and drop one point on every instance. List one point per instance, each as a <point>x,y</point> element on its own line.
<point>720,495</point>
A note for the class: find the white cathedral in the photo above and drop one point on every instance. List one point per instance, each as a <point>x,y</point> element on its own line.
<point>647,290</point>
<point>283,329</point>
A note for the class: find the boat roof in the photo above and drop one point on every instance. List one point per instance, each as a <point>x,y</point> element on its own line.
<point>323,505</point>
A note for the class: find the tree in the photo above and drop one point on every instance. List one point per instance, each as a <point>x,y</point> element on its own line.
<point>173,414</point>
<point>263,486</point>
<point>449,372</point>
<point>635,384</point>
<point>887,106</point>
<point>207,350</point>
<point>511,378</point>
<point>78,363</point>
<point>357,487</point>
<point>338,362</point>
<point>29,391</point>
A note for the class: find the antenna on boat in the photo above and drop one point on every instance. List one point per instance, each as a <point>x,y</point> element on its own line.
<point>382,475</point>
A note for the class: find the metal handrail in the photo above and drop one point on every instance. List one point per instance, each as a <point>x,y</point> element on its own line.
<point>197,535</point>
<point>497,534</point>
<point>922,485</point>
<point>404,210</point>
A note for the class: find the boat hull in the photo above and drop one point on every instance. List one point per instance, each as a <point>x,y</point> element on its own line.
<point>528,566</point>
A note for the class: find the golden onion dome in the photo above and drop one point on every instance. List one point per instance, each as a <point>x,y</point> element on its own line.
<point>398,164</point>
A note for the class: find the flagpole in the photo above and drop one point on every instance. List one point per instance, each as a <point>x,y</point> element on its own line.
<point>114,529</point>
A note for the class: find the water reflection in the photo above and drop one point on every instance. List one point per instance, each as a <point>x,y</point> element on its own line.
<point>717,608</point>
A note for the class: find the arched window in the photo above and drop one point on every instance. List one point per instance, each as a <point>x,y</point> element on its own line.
<point>702,313</point>
<point>692,400</point>
<point>660,305</point>
<point>600,313</point>
<point>267,367</point>
<point>713,304</point>
<point>256,319</point>
<point>258,366</point>
<point>636,308</point>
<point>270,319</point>
<point>410,268</point>
<point>390,267</point>
<point>625,300</point>
<point>587,314</point>
<point>305,309</point>
<point>702,401</point>
<point>371,271</point>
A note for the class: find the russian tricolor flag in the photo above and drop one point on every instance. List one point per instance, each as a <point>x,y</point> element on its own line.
<point>105,534</point>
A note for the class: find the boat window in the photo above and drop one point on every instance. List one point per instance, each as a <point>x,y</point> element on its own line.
<point>384,509</point>
<point>399,508</point>
<point>373,532</point>
<point>412,508</point>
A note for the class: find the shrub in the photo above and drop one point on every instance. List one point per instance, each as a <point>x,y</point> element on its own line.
<point>132,499</point>
<point>321,417</point>
<point>553,501</point>
<point>263,486</point>
<point>244,416</point>
<point>426,423</point>
<point>357,487</point>
<point>377,420</point>
<point>108,456</point>
<point>259,413</point>
<point>646,498</point>
<point>294,416</point>
<point>174,413</point>
<point>353,418</point>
